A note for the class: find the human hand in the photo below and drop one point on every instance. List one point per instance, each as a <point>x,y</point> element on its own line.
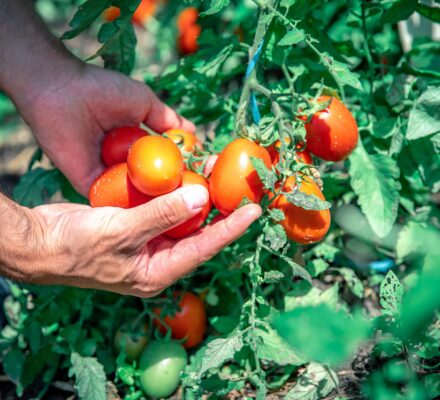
<point>123,250</point>
<point>69,118</point>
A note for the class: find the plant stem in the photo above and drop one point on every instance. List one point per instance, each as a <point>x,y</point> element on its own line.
<point>368,55</point>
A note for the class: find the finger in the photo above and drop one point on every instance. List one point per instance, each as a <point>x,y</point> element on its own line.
<point>170,263</point>
<point>163,213</point>
<point>210,164</point>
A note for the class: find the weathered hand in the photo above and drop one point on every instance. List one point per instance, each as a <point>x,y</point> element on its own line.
<point>70,117</point>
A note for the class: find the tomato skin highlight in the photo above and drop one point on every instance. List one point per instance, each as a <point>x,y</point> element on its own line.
<point>187,140</point>
<point>135,342</point>
<point>189,322</point>
<point>188,227</point>
<point>303,226</point>
<point>117,142</point>
<point>161,364</point>
<point>233,176</point>
<point>113,188</point>
<point>155,165</point>
<point>332,134</point>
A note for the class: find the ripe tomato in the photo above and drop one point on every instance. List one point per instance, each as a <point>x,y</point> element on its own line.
<point>134,340</point>
<point>189,322</point>
<point>116,143</point>
<point>332,134</point>
<point>188,227</point>
<point>113,188</point>
<point>234,177</point>
<point>188,17</point>
<point>187,140</point>
<point>111,13</point>
<point>303,226</point>
<point>155,165</point>
<point>145,10</point>
<point>161,364</point>
<point>303,156</point>
<point>187,42</point>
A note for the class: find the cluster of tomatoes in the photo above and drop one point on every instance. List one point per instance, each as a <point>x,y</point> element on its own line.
<point>162,361</point>
<point>143,166</point>
<point>145,10</point>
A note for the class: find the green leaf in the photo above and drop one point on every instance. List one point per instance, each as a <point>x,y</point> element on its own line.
<point>293,37</point>
<point>401,9</point>
<point>312,297</point>
<point>339,333</point>
<point>273,276</point>
<point>432,385</point>
<point>391,292</point>
<point>315,382</point>
<point>90,379</point>
<point>306,201</point>
<point>220,351</point>
<point>268,177</point>
<point>424,118</point>
<point>375,179</point>
<point>432,13</point>
<point>276,214</point>
<point>275,235</point>
<point>211,67</point>
<point>216,6</point>
<point>340,72</point>
<point>13,363</point>
<point>269,350</point>
<point>417,238</point>
<point>297,270</point>
<point>353,282</point>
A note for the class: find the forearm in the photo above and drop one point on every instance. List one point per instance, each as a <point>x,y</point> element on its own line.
<point>32,60</point>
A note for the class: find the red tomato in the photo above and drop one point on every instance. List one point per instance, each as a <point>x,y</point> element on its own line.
<point>303,226</point>
<point>332,134</point>
<point>116,143</point>
<point>188,227</point>
<point>145,10</point>
<point>189,322</point>
<point>303,156</point>
<point>187,42</point>
<point>233,176</point>
<point>188,17</point>
<point>155,165</point>
<point>111,13</point>
<point>113,188</point>
<point>187,140</point>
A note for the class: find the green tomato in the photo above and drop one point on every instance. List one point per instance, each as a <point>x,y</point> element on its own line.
<point>135,341</point>
<point>161,364</point>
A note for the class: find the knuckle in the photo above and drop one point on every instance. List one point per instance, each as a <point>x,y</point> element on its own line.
<point>166,213</point>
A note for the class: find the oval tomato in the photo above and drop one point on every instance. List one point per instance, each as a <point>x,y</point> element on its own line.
<point>303,156</point>
<point>187,42</point>
<point>233,176</point>
<point>116,143</point>
<point>145,10</point>
<point>155,165</point>
<point>113,188</point>
<point>332,134</point>
<point>184,139</point>
<point>134,341</point>
<point>303,226</point>
<point>161,364</point>
<point>188,17</point>
<point>189,322</point>
<point>188,227</point>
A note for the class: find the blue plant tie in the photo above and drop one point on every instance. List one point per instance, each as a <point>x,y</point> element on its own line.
<point>253,101</point>
<point>382,265</point>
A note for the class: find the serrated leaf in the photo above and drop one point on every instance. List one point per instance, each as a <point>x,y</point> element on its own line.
<point>316,382</point>
<point>220,351</point>
<point>353,282</point>
<point>306,201</point>
<point>210,68</point>
<point>293,37</point>
<point>391,292</point>
<point>424,118</point>
<point>401,9</point>
<point>340,72</point>
<point>339,333</point>
<point>375,179</point>
<point>432,13</point>
<point>417,238</point>
<point>90,379</point>
<point>273,276</point>
<point>216,6</point>
<point>276,214</point>
<point>267,176</point>
<point>275,235</point>
<point>297,270</point>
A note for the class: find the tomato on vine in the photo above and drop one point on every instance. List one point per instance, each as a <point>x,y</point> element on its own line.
<point>145,10</point>
<point>161,364</point>
<point>302,226</point>
<point>113,188</point>
<point>189,30</point>
<point>332,134</point>
<point>188,227</point>
<point>132,340</point>
<point>155,165</point>
<point>117,142</point>
<point>234,177</point>
<point>303,156</point>
<point>189,322</point>
<point>187,140</point>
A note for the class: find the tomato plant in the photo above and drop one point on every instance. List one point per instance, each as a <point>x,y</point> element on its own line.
<point>132,339</point>
<point>155,165</point>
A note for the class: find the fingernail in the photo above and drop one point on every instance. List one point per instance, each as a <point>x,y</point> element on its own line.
<point>195,196</point>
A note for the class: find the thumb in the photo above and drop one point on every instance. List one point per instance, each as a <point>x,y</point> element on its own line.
<point>165,212</point>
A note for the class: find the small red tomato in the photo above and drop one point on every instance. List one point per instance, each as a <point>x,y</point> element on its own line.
<point>188,17</point>
<point>188,227</point>
<point>187,42</point>
<point>116,143</point>
<point>145,10</point>
<point>234,177</point>
<point>187,140</point>
<point>113,188</point>
<point>155,165</point>
<point>189,322</point>
<point>303,156</point>
<point>332,134</point>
